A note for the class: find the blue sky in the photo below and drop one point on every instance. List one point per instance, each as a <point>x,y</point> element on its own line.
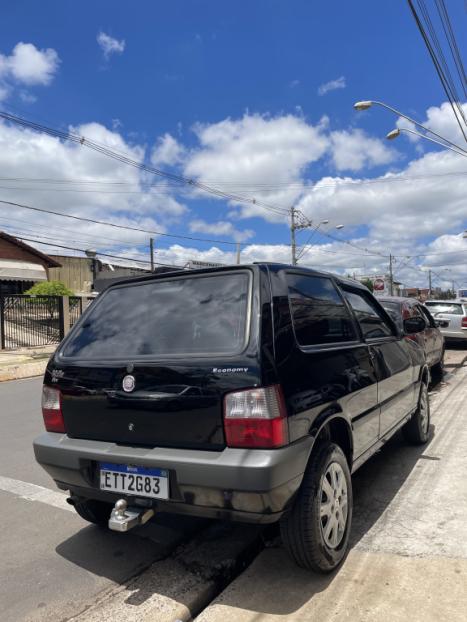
<point>220,79</point>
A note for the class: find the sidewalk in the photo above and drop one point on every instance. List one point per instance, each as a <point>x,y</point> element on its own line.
<point>408,559</point>
<point>24,363</point>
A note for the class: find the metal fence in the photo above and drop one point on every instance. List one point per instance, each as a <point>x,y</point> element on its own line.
<point>30,321</point>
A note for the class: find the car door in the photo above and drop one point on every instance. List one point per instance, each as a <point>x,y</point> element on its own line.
<point>391,356</point>
<point>329,366</point>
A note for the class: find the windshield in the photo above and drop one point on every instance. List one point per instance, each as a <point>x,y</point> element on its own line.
<point>445,307</point>
<point>196,315</point>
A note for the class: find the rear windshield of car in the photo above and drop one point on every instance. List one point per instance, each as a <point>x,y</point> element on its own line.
<point>445,307</point>
<point>197,315</point>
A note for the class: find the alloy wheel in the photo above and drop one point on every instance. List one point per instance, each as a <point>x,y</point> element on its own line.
<point>333,505</point>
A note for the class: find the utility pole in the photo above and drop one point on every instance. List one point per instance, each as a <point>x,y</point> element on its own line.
<point>238,252</point>
<point>151,247</point>
<point>391,278</point>
<point>429,283</point>
<point>293,228</point>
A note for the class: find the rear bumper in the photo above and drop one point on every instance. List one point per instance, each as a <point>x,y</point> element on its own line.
<point>238,484</point>
<point>460,334</point>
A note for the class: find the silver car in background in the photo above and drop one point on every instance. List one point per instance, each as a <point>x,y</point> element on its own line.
<point>453,314</point>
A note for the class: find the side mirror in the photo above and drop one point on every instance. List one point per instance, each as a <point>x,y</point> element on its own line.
<point>414,325</point>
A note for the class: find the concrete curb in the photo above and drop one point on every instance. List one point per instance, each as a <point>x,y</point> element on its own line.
<point>177,588</point>
<point>23,370</point>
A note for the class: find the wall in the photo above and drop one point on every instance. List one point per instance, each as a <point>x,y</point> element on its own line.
<point>75,273</point>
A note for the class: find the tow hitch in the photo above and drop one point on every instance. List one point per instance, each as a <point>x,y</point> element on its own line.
<point>123,518</point>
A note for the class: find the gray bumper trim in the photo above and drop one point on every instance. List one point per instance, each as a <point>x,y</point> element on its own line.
<point>68,460</point>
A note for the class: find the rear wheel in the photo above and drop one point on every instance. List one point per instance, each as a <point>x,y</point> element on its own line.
<point>97,512</point>
<point>316,530</point>
<point>417,429</point>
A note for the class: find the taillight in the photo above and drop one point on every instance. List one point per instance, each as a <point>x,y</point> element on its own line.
<point>464,322</point>
<point>256,418</point>
<point>52,410</point>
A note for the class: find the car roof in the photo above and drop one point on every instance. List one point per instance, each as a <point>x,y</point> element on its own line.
<point>400,299</point>
<point>272,266</point>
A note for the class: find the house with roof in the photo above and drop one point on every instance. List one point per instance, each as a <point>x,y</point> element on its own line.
<point>21,265</point>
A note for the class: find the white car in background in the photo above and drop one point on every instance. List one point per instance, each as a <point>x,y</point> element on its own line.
<point>453,314</point>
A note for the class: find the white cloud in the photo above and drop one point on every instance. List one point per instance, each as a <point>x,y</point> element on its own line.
<point>332,85</point>
<point>294,83</point>
<point>441,119</point>
<point>417,210</point>
<point>353,150</point>
<point>167,151</point>
<point>27,97</point>
<point>223,228</point>
<point>4,92</point>
<point>398,212</point>
<point>109,45</point>
<point>29,65</point>
<point>126,200</point>
<point>259,156</point>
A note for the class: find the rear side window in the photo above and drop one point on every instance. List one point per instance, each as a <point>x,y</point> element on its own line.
<point>445,307</point>
<point>194,315</point>
<point>318,312</point>
<point>369,316</point>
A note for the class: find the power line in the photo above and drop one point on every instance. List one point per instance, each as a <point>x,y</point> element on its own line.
<point>259,186</point>
<point>451,39</point>
<point>72,248</point>
<point>111,224</point>
<point>130,228</point>
<point>125,159</point>
<point>438,62</point>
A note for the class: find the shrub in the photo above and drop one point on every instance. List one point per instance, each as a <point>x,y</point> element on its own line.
<point>49,288</point>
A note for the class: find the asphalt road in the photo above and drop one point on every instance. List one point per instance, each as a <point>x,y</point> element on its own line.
<point>53,564</point>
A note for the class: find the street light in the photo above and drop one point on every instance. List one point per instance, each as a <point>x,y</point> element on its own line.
<point>364,105</point>
<point>397,132</point>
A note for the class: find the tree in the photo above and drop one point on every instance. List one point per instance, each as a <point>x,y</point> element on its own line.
<point>41,291</point>
<point>49,288</point>
<point>368,283</point>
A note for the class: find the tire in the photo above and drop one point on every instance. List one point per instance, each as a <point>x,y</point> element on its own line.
<point>93,511</point>
<point>437,370</point>
<point>303,533</point>
<point>417,429</point>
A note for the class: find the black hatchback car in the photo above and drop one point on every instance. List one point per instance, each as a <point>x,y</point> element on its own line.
<point>244,393</point>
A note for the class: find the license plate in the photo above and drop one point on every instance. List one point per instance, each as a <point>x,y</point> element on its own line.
<point>136,481</point>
